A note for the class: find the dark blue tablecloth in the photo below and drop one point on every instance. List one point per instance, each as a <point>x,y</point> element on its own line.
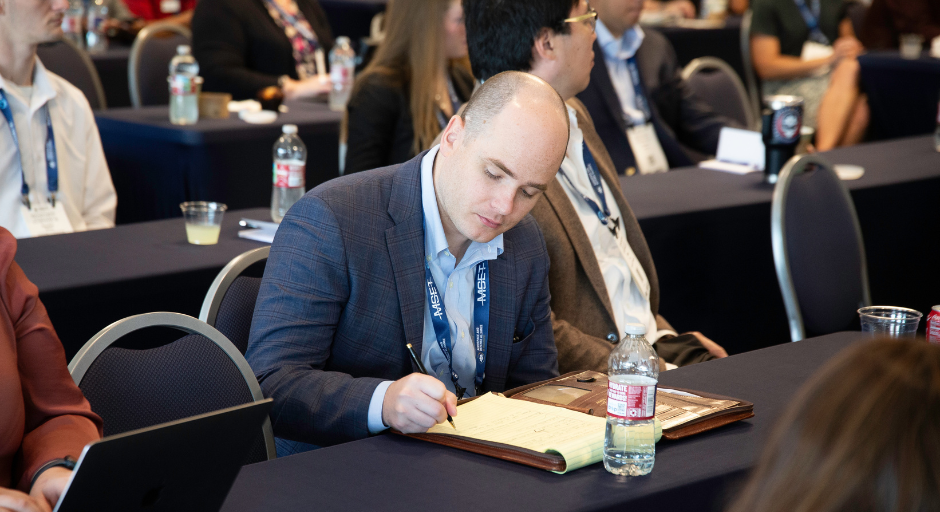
<point>903,94</point>
<point>692,43</point>
<point>156,165</point>
<point>392,473</point>
<point>112,70</point>
<point>709,233</point>
<point>89,280</point>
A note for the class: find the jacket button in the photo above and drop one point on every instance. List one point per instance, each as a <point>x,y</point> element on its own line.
<point>612,337</point>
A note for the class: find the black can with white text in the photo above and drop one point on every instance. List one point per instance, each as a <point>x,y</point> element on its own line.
<point>782,118</point>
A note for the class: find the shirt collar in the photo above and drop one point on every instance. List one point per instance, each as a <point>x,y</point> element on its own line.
<point>42,87</point>
<point>622,48</point>
<point>435,241</point>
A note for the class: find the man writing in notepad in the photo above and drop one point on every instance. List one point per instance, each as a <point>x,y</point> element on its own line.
<point>433,252</point>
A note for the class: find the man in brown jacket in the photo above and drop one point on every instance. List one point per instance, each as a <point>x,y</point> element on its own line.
<point>602,275</point>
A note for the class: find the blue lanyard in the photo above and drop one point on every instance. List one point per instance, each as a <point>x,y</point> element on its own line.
<point>638,91</point>
<point>595,176</point>
<point>52,165</point>
<point>811,17</point>
<point>481,323</point>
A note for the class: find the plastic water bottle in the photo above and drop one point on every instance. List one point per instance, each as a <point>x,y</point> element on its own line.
<point>633,370</point>
<point>72,22</point>
<point>290,167</point>
<point>95,38</point>
<point>184,76</point>
<point>342,69</point>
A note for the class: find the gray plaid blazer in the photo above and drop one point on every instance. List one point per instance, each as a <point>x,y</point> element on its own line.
<point>343,292</point>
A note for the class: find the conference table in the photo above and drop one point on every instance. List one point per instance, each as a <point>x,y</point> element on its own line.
<point>709,234</point>
<point>698,473</point>
<point>903,94</point>
<point>156,165</point>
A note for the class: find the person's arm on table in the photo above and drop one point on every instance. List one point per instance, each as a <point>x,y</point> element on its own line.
<point>16,501</point>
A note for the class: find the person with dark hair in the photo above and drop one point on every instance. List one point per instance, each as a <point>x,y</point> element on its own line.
<point>246,46</point>
<point>862,435</point>
<point>602,274</point>
<point>418,79</point>
<point>638,83</point>
<point>438,252</point>
<point>43,416</point>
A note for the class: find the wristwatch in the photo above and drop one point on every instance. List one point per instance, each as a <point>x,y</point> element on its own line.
<point>68,463</point>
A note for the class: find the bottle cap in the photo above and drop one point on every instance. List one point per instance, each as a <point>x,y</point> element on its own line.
<point>342,41</point>
<point>289,129</point>
<point>182,49</point>
<point>635,329</point>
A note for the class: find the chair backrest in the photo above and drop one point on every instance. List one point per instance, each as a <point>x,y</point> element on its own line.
<point>149,62</point>
<point>818,249</point>
<point>230,302</point>
<point>68,60</point>
<point>198,373</point>
<point>716,83</point>
<point>750,77</point>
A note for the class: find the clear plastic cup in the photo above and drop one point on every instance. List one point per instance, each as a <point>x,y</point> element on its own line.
<point>911,46</point>
<point>203,221</point>
<point>890,321</point>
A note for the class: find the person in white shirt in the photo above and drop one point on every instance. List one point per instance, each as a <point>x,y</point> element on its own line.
<point>53,174</point>
<point>602,275</point>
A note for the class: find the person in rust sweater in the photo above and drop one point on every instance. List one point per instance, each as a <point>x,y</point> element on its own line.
<point>43,416</point>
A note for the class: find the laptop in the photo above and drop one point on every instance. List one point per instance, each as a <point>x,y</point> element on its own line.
<point>180,466</point>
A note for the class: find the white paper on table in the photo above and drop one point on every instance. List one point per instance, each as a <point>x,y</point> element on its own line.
<point>739,152</point>
<point>813,50</point>
<point>258,235</point>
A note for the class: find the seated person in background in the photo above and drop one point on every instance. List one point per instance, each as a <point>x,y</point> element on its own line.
<point>602,275</point>
<point>788,41</point>
<point>43,415</point>
<point>50,151</point>
<point>682,128</point>
<point>245,46</point>
<point>670,8</point>
<point>416,82</point>
<point>862,435</point>
<point>366,263</point>
<point>125,22</point>
<point>887,20</point>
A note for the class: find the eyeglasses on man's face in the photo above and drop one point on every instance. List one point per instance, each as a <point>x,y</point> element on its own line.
<point>590,17</point>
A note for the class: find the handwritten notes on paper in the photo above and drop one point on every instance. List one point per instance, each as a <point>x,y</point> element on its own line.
<point>577,437</point>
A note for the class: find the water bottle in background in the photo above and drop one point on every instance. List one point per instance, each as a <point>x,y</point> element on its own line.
<point>95,38</point>
<point>633,371</point>
<point>290,163</point>
<point>713,9</point>
<point>184,90</point>
<point>342,69</point>
<point>72,22</point>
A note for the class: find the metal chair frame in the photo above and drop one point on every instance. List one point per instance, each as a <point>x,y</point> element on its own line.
<point>224,280</point>
<point>796,166</point>
<point>133,62</point>
<point>112,333</point>
<point>90,66</point>
<point>753,88</point>
<point>714,63</point>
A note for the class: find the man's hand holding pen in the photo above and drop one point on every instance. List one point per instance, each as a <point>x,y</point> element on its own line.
<point>415,403</point>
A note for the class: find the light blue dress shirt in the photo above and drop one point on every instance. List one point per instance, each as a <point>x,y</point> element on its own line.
<point>616,52</point>
<point>455,283</point>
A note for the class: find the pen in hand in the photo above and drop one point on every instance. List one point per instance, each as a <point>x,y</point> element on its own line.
<point>420,366</point>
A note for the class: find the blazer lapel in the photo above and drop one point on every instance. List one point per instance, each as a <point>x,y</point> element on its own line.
<point>405,243</point>
<point>502,318</point>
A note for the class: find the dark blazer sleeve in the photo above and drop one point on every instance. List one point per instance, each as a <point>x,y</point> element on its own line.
<point>375,125</point>
<point>59,420</point>
<point>293,328</point>
<point>695,124</point>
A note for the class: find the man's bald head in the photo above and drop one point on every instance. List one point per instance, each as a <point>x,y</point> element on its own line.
<point>489,100</point>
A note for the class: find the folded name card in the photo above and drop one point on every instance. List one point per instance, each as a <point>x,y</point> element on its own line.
<point>739,152</point>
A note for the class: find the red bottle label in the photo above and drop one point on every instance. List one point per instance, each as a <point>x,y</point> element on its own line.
<point>631,402</point>
<point>289,174</point>
<point>933,327</point>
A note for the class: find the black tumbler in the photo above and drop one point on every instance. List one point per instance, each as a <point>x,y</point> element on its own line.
<point>782,118</point>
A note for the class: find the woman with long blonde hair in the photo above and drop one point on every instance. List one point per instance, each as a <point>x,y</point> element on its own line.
<point>418,79</point>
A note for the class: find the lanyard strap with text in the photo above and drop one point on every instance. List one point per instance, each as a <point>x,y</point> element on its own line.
<point>481,323</point>
<point>602,211</point>
<point>642,103</point>
<point>52,168</point>
<point>811,17</point>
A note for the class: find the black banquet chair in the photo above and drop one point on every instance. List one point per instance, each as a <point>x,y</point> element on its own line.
<point>133,388</point>
<point>717,84</point>
<point>149,63</point>
<point>230,302</point>
<point>69,61</point>
<point>818,250</point>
